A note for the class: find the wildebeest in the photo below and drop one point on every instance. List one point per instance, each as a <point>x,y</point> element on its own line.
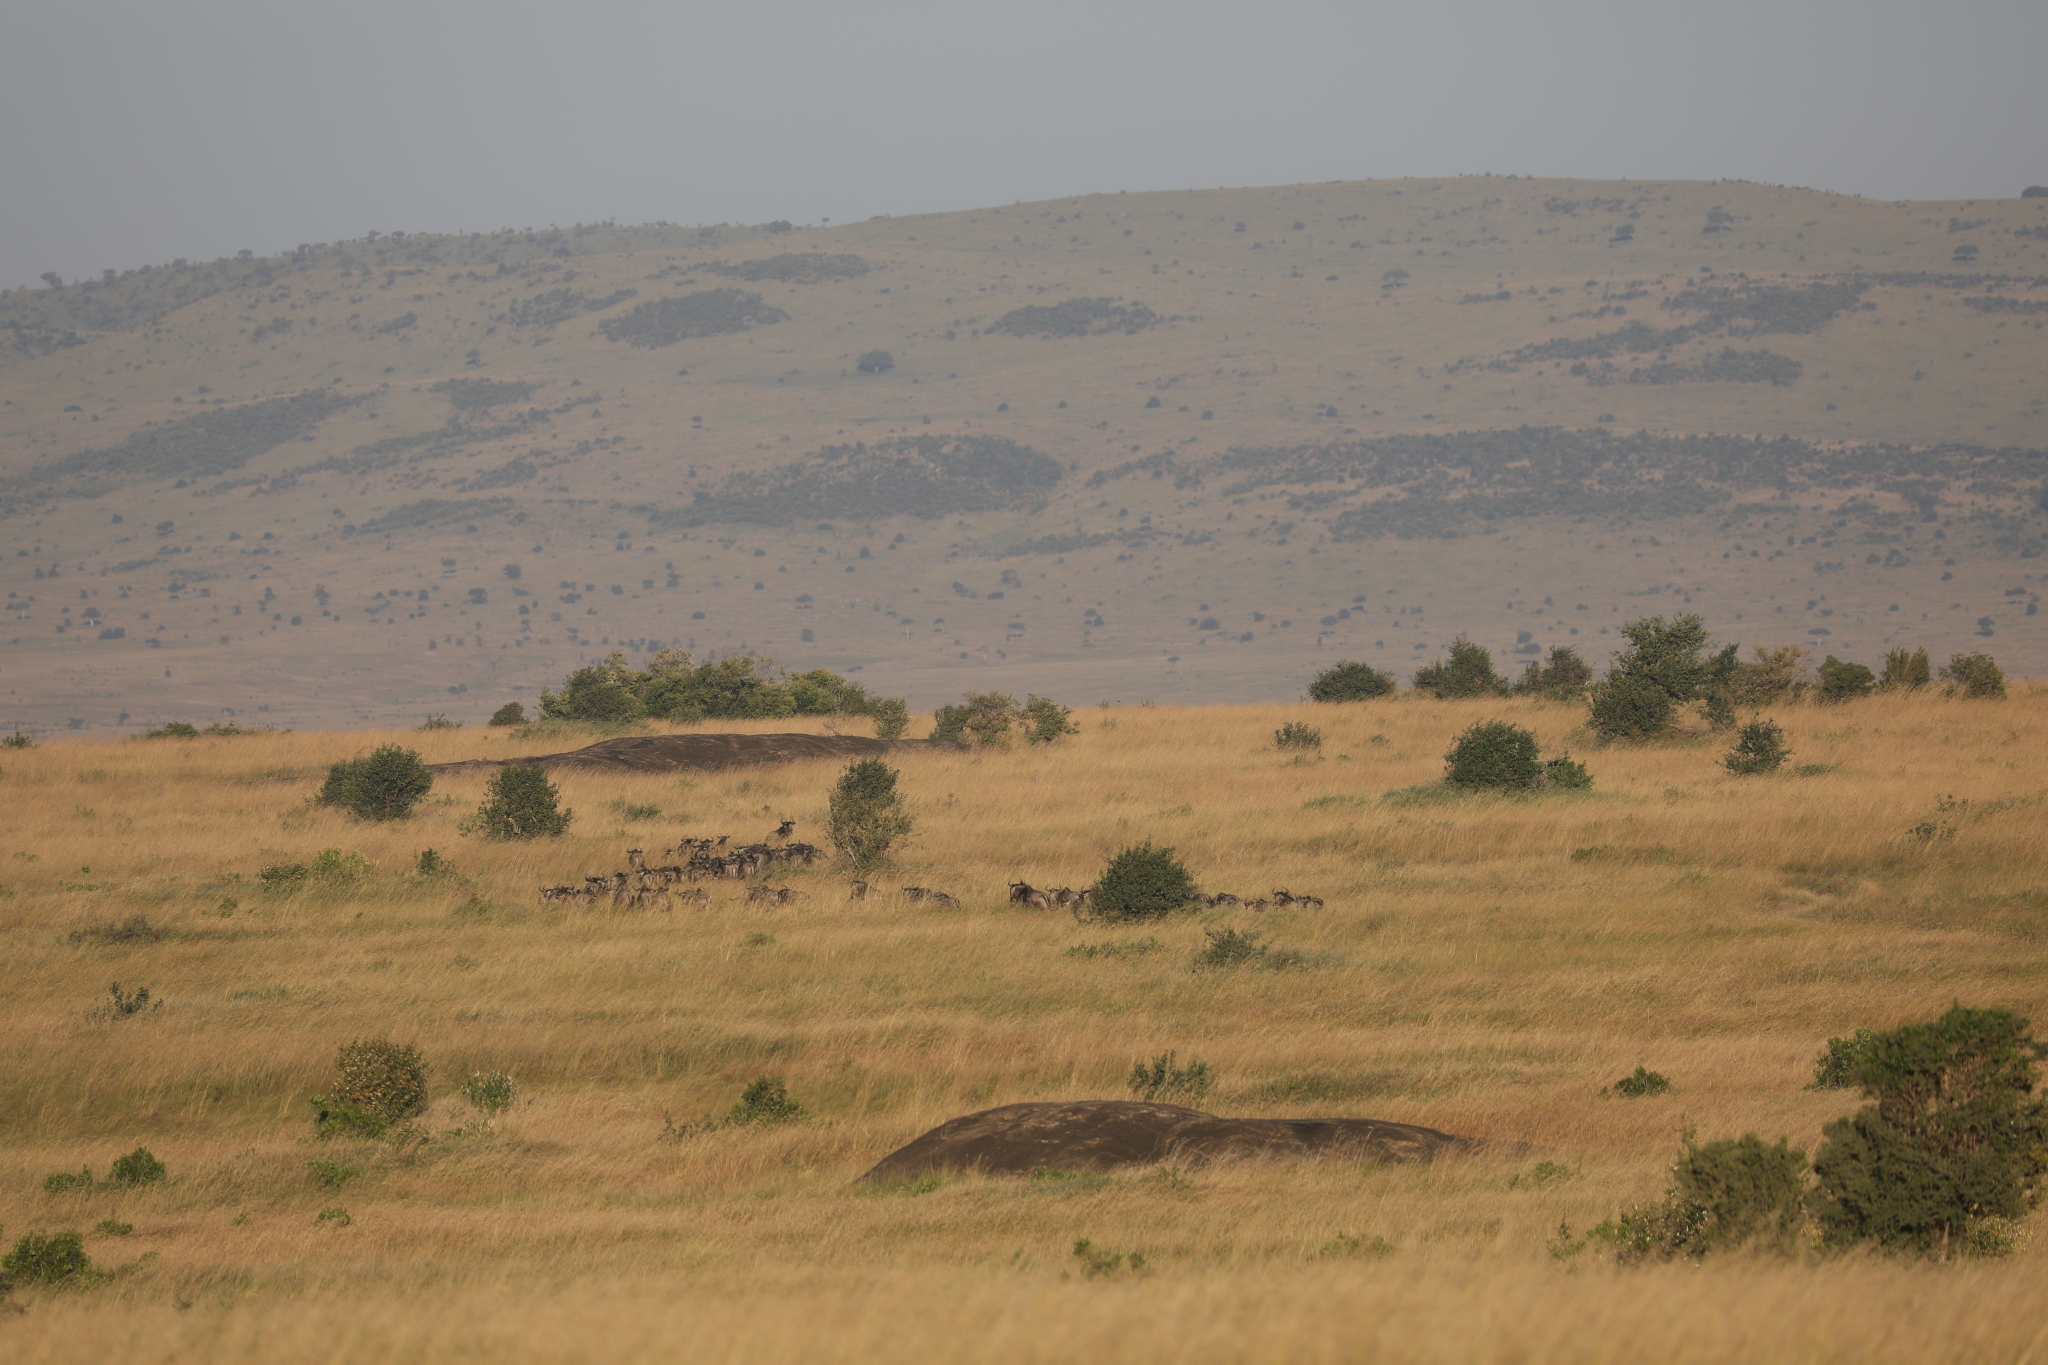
<point>1284,898</point>
<point>914,893</point>
<point>783,831</point>
<point>1023,893</point>
<point>941,898</point>
<point>696,896</point>
<point>859,891</point>
<point>635,859</point>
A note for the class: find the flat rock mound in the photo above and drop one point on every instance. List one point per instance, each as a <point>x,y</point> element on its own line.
<point>702,753</point>
<point>1104,1135</point>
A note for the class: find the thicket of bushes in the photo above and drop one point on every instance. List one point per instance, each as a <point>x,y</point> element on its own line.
<point>708,312</point>
<point>990,718</point>
<point>674,686</point>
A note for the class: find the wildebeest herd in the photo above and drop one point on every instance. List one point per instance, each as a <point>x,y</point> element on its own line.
<point>696,860</point>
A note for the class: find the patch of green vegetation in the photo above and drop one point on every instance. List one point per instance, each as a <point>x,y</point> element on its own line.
<point>475,395</point>
<point>433,511</point>
<point>1076,318</point>
<point>708,312</point>
<point>922,476</point>
<point>795,267</point>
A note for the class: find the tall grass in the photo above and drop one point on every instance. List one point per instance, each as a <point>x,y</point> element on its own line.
<point>1488,964</point>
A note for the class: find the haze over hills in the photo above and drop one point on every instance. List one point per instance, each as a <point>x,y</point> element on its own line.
<point>1188,446</point>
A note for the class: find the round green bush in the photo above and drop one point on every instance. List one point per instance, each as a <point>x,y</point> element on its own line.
<point>139,1167</point>
<point>1630,708</point>
<point>867,814</point>
<point>1493,756</point>
<point>46,1258</point>
<point>511,713</point>
<point>1350,681</point>
<point>1759,748</point>
<point>1841,681</point>
<point>1143,883</point>
<point>384,786</point>
<point>520,804</point>
<point>376,1083</point>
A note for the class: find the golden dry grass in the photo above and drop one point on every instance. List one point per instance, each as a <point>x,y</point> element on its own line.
<point>1478,978</point>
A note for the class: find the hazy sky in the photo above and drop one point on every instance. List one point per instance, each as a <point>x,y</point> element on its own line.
<point>133,133</point>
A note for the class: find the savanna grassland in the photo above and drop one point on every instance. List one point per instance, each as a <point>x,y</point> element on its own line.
<point>1484,965</point>
<point>1184,446</point>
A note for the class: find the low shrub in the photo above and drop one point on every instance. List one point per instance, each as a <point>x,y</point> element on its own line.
<point>1231,948</point>
<point>1467,673</point>
<point>65,1182</point>
<point>1112,949</point>
<point>520,803</point>
<point>511,713</point>
<point>332,865</point>
<point>1974,675</point>
<point>384,786</point>
<point>175,729</point>
<point>283,876</point>
<point>1759,748</point>
<point>1494,756</point>
<point>489,1092</point>
<point>1143,883</point>
<point>1296,735</point>
<point>891,716</point>
<point>1097,1263</point>
<point>1639,1083</point>
<point>438,721</point>
<point>1045,720</point>
<point>1165,1078</point>
<point>1905,670</point>
<point>330,1174</point>
<point>48,1258</point>
<point>1350,681</point>
<point>333,1217</point>
<point>128,1005</point>
<point>377,1083</point>
<point>1630,708</point>
<point>765,1103</point>
<point>1735,1192</point>
<point>18,740</point>
<point>432,864</point>
<point>114,1227</point>
<point>1840,682</point>
<point>1562,677</point>
<point>139,1167</point>
<point>1840,1065</point>
<point>134,929</point>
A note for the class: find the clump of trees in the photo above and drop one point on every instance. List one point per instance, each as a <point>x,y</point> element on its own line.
<point>1664,668</point>
<point>674,686</point>
<point>991,718</point>
<point>875,362</point>
<point>1942,1162</point>
<point>1467,673</point>
<point>1564,676</point>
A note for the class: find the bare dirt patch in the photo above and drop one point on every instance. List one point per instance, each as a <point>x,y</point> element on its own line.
<point>1104,1135</point>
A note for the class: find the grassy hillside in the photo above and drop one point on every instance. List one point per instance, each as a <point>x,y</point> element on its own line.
<point>1484,966</point>
<point>944,447</point>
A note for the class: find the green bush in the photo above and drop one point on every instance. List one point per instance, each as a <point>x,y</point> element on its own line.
<point>765,1103</point>
<point>114,1227</point>
<point>601,692</point>
<point>332,865</point>
<point>48,1258</point>
<point>1840,1066</point>
<point>139,1167</point>
<point>867,814</point>
<point>1955,1137</point>
<point>891,716</point>
<point>1565,774</point>
<point>432,864</point>
<point>1735,1192</point>
<point>1660,671</point>
<point>438,721</point>
<point>384,786</point>
<point>1098,1263</point>
<point>1564,676</point>
<point>511,713</point>
<point>18,740</point>
<point>1166,1079</point>
<point>1759,748</point>
<point>283,876</point>
<point>520,803</point>
<point>331,1174</point>
<point>1467,673</point>
<point>1641,1082</point>
<point>1630,708</point>
<point>949,724</point>
<point>1297,735</point>
<point>1844,681</point>
<point>64,1182</point>
<point>1045,720</point>
<point>1143,883</point>
<point>176,729</point>
<point>1228,948</point>
<point>1905,670</point>
<point>1350,681</point>
<point>377,1083</point>
<point>489,1092</point>
<point>1493,756</point>
<point>1974,675</point>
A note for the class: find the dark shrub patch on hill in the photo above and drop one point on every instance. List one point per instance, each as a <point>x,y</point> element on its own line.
<point>1076,318</point>
<point>795,267</point>
<point>552,307</point>
<point>428,511</point>
<point>926,476</point>
<point>474,395</point>
<point>708,312</point>
<point>196,447</point>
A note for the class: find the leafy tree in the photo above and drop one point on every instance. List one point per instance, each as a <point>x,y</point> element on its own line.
<point>600,692</point>
<point>1662,658</point>
<point>520,803</point>
<point>1954,1136</point>
<point>384,786</point>
<point>1350,681</point>
<point>867,814</point>
<point>1143,883</point>
<point>1468,673</point>
<point>892,717</point>
<point>875,362</point>
<point>1045,720</point>
<point>511,713</point>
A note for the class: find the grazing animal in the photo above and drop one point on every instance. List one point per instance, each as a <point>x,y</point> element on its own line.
<point>1257,906</point>
<point>783,830</point>
<point>1021,891</point>
<point>1285,898</point>
<point>556,893</point>
<point>698,897</point>
<point>635,859</point>
<point>1207,902</point>
<point>941,898</point>
<point>652,898</point>
<point>915,893</point>
<point>1037,900</point>
<point>761,892</point>
<point>790,896</point>
<point>1223,900</point>
<point>859,891</point>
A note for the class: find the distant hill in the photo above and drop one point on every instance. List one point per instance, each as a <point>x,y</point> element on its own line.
<point>1188,445</point>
